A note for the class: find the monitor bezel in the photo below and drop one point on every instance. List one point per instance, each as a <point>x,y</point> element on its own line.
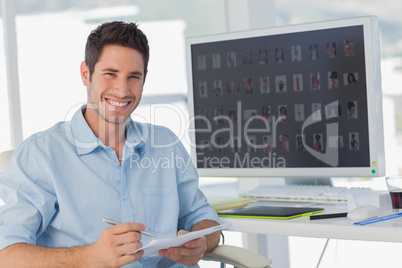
<point>374,102</point>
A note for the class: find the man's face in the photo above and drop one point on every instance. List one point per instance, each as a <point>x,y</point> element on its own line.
<point>116,85</point>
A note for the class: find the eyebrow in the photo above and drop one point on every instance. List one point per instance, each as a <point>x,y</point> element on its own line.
<point>116,71</point>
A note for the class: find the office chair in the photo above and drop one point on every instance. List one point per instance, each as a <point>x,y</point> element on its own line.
<point>225,254</point>
<point>238,257</point>
<point>4,158</point>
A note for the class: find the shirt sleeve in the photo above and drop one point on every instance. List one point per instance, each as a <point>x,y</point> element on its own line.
<point>29,200</point>
<point>193,203</point>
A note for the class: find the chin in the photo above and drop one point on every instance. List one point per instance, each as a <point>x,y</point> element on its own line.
<point>121,119</point>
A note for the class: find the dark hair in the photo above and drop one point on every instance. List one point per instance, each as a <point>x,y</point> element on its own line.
<point>351,104</point>
<point>115,33</point>
<point>353,77</point>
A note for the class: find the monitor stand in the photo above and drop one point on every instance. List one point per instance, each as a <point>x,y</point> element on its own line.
<point>309,181</point>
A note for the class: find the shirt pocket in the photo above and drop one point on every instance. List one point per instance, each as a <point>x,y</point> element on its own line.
<point>161,208</point>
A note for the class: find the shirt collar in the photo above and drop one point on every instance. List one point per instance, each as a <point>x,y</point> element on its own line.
<point>136,134</point>
<point>85,141</point>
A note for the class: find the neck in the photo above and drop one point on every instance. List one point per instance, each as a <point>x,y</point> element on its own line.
<point>111,134</point>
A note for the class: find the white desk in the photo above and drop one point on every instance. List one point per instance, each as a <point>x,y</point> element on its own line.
<point>270,237</point>
<point>337,228</point>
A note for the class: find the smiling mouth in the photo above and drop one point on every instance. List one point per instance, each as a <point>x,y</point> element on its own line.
<point>117,103</point>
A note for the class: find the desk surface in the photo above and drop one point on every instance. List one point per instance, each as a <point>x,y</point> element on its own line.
<point>337,228</point>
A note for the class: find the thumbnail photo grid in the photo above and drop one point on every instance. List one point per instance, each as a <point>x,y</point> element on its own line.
<point>253,95</point>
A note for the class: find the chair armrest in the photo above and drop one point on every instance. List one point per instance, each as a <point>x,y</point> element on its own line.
<point>4,158</point>
<point>238,257</point>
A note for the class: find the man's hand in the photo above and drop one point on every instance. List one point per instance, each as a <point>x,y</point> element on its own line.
<point>116,241</point>
<point>193,250</point>
<point>108,251</point>
<point>190,254</point>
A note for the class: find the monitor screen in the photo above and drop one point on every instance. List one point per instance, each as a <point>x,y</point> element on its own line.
<point>293,101</point>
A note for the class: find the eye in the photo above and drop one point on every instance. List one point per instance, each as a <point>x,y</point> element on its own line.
<point>134,77</point>
<point>110,74</point>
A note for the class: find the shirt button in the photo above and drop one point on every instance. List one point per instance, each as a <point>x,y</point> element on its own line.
<point>125,197</point>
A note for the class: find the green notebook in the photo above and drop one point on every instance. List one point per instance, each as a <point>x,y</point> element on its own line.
<point>269,212</point>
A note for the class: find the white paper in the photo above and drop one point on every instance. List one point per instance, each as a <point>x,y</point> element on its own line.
<point>155,245</point>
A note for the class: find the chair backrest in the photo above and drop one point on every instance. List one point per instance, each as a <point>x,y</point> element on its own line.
<point>4,158</point>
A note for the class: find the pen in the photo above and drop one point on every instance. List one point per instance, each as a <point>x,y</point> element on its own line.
<point>328,216</point>
<point>383,218</point>
<point>112,222</point>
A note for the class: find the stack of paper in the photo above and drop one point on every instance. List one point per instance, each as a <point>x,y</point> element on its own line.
<point>221,203</point>
<point>155,245</point>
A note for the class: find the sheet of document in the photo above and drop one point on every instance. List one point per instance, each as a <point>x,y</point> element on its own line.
<point>178,241</point>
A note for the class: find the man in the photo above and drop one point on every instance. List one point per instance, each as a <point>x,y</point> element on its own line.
<point>61,182</point>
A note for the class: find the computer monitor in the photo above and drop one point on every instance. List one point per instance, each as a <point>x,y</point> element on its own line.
<point>291,101</point>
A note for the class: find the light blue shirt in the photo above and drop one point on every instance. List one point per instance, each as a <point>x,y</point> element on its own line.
<point>61,182</point>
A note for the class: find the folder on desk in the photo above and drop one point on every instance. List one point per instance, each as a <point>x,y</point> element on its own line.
<point>221,203</point>
<point>269,212</point>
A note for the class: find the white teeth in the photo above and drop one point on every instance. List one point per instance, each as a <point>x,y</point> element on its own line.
<point>118,104</point>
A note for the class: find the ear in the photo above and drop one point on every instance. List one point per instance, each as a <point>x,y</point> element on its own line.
<point>84,70</point>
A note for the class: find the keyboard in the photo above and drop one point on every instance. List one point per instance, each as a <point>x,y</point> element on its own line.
<point>304,193</point>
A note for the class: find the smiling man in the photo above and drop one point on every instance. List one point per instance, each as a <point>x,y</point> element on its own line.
<point>61,182</point>
<point>114,89</point>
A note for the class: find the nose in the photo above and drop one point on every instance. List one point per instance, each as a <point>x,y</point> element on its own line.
<point>121,87</point>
